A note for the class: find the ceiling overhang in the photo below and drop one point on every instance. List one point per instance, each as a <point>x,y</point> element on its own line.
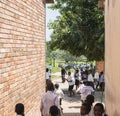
<point>49,1</point>
<point>101,4</point>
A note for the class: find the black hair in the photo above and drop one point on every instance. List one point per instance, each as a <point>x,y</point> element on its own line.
<point>19,109</point>
<point>90,99</point>
<point>100,105</point>
<point>47,69</point>
<point>88,107</point>
<point>69,73</point>
<point>54,110</point>
<point>56,85</point>
<point>50,86</point>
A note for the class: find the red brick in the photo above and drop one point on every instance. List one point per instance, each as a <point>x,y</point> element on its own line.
<point>22,55</point>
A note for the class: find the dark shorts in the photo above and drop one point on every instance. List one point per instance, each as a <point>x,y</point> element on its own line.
<point>77,82</point>
<point>70,87</point>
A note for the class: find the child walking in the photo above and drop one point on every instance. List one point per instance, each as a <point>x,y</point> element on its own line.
<point>59,93</point>
<point>77,80</point>
<point>71,84</point>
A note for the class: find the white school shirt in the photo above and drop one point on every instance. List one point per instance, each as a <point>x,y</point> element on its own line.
<point>96,76</point>
<point>48,99</point>
<point>91,113</point>
<point>79,88</point>
<point>76,76</point>
<point>85,91</point>
<point>47,75</point>
<point>101,79</point>
<point>90,78</point>
<point>70,81</point>
<point>59,93</point>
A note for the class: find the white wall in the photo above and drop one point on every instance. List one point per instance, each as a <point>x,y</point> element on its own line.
<point>112,56</point>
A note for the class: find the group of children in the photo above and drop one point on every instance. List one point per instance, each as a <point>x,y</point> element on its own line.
<point>51,101</point>
<point>88,109</point>
<point>84,88</point>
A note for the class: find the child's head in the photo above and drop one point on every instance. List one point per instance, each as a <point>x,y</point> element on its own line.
<point>87,83</point>
<point>19,108</point>
<point>90,99</point>
<point>69,73</point>
<point>89,71</point>
<point>56,86</point>
<point>77,70</point>
<point>54,110</point>
<point>98,109</point>
<point>85,108</point>
<point>50,86</point>
<point>47,69</point>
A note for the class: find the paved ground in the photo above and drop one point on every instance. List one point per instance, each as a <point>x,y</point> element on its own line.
<point>71,105</point>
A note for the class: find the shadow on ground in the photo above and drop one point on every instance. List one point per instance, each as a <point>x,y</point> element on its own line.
<point>74,98</point>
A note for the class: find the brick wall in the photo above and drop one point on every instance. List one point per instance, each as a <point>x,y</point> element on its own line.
<point>22,55</point>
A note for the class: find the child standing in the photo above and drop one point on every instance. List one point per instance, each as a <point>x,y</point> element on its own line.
<point>59,93</point>
<point>71,84</point>
<point>77,80</point>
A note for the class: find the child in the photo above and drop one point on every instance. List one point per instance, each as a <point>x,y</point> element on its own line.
<point>90,101</point>
<point>59,93</point>
<point>19,109</point>
<point>48,75</point>
<point>80,87</point>
<point>85,109</point>
<point>48,99</point>
<point>54,111</point>
<point>99,110</point>
<point>85,91</point>
<point>71,84</point>
<point>77,80</point>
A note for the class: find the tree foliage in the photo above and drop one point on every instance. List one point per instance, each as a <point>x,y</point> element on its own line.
<point>79,29</point>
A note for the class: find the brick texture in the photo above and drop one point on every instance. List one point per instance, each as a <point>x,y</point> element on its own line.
<point>22,55</point>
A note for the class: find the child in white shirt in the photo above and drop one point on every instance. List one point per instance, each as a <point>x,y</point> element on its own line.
<point>71,84</point>
<point>85,91</point>
<point>59,93</point>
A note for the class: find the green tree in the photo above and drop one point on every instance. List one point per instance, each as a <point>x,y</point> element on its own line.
<point>79,29</point>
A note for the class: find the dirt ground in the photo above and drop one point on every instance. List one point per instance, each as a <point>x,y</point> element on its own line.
<point>71,105</point>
